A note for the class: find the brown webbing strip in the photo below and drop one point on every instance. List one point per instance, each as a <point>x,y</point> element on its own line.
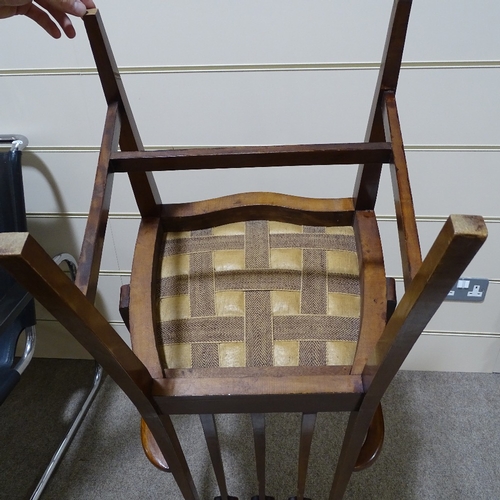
<point>258,329</point>
<point>314,282</point>
<point>257,245</point>
<point>201,289</point>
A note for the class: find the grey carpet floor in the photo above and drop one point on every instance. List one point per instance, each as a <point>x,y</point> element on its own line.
<point>442,442</point>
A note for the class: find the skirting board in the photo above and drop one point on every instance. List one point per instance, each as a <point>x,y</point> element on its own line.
<point>455,353</point>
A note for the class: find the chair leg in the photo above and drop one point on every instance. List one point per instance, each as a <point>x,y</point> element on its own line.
<point>151,449</point>
<point>124,306</point>
<point>374,440</point>
<point>259,435</point>
<point>212,438</point>
<point>306,436</point>
<point>163,431</point>
<point>356,432</point>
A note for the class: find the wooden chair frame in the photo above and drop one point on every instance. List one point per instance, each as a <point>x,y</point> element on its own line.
<point>386,337</point>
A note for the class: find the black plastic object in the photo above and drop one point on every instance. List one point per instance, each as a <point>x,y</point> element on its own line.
<point>17,309</point>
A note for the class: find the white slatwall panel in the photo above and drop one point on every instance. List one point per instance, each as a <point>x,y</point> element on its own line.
<point>262,72</point>
<point>437,107</point>
<point>260,32</point>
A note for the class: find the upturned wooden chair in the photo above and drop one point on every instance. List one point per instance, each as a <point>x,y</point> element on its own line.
<point>255,302</point>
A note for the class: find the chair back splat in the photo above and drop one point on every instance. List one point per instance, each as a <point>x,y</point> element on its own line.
<point>255,302</point>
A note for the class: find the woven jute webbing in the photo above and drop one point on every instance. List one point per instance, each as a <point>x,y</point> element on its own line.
<point>258,293</point>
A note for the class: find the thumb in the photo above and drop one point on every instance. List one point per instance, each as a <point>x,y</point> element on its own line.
<point>73,7</point>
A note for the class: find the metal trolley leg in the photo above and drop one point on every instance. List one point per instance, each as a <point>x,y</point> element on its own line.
<point>58,455</point>
<point>20,299</point>
<point>98,376</point>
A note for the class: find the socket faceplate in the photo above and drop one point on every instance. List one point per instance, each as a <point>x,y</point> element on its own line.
<point>469,290</point>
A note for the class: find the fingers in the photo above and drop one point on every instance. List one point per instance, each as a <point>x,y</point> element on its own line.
<point>89,4</point>
<point>58,9</point>
<point>73,7</point>
<point>42,18</point>
<point>13,3</point>
<point>6,12</point>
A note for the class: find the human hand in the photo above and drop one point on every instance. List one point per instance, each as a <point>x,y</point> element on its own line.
<point>42,10</point>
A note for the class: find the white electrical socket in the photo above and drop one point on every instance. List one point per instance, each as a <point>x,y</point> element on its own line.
<point>468,290</point>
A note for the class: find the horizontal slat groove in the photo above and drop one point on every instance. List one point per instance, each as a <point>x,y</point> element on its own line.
<point>491,219</point>
<point>231,68</point>
<point>444,148</point>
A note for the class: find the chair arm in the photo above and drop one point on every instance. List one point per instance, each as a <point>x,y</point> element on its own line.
<point>459,240</point>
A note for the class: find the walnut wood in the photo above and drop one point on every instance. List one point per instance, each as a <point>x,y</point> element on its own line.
<point>391,296</point>
<point>373,287</point>
<point>259,381</point>
<point>372,446</point>
<point>255,206</point>
<point>394,47</point>
<point>457,243</point>
<point>251,156</point>
<point>179,468</point>
<point>356,431</point>
<point>142,295</point>
<point>405,213</point>
<point>374,440</point>
<point>151,449</point>
<point>143,183</point>
<point>252,371</point>
<point>212,439</point>
<point>93,241</point>
<point>367,182</point>
<point>21,255</point>
<point>306,435</point>
<point>106,64</point>
<point>455,246</point>
<point>124,305</point>
<point>259,437</point>
<point>225,393</point>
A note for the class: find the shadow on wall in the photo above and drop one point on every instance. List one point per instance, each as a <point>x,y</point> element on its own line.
<point>57,233</point>
<point>53,230</point>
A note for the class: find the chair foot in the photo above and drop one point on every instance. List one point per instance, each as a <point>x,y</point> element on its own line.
<point>151,449</point>
<point>257,497</point>
<point>228,498</point>
<point>372,446</point>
